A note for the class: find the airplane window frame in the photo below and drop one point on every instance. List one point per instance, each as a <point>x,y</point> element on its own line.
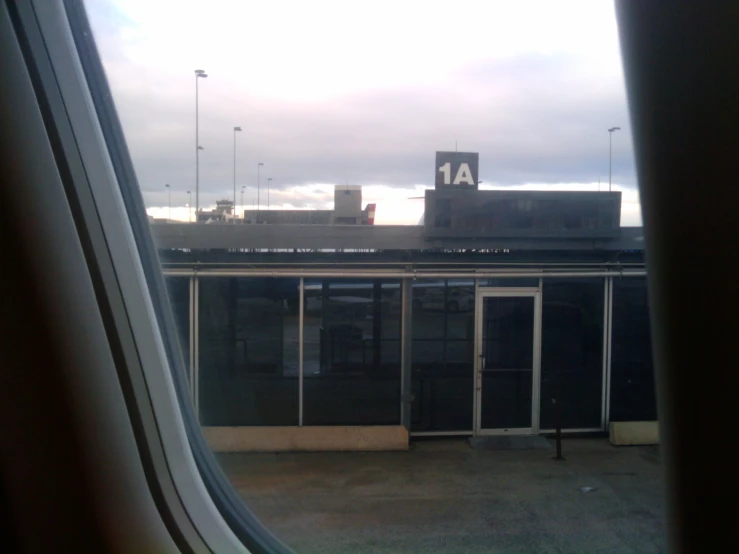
<point>691,523</point>
<point>70,84</point>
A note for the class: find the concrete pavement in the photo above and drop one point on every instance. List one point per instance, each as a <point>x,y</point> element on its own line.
<point>442,496</point>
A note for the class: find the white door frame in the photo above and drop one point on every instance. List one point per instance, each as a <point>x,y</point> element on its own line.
<point>487,292</point>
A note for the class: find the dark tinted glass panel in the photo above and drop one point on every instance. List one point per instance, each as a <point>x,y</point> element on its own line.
<point>518,282</point>
<point>351,352</point>
<point>429,312</point>
<point>178,289</point>
<point>486,211</point>
<point>572,352</point>
<point>633,395</point>
<point>443,214</point>
<point>508,362</point>
<point>248,371</point>
<point>443,343</point>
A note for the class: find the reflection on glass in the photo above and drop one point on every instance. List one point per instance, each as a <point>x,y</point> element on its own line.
<point>518,282</point>
<point>572,352</point>
<point>508,362</point>
<point>633,396</point>
<point>512,211</point>
<point>178,290</point>
<point>248,372</point>
<point>351,352</point>
<point>443,344</point>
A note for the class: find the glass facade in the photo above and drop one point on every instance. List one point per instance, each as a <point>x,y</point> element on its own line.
<point>248,369</point>
<point>178,291</point>
<point>442,379</point>
<point>517,282</point>
<point>351,357</point>
<point>507,362</point>
<point>633,396</point>
<point>572,352</point>
<point>482,212</point>
<point>250,353</point>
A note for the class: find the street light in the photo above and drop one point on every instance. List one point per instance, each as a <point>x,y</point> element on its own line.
<point>269,180</point>
<point>236,129</point>
<point>259,164</point>
<point>189,207</point>
<point>610,153</point>
<point>243,210</point>
<point>169,203</point>
<point>199,73</point>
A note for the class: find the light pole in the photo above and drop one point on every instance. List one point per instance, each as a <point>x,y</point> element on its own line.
<point>269,180</point>
<point>236,129</point>
<point>169,203</point>
<point>199,73</point>
<point>610,153</point>
<point>189,207</point>
<point>243,210</point>
<point>259,164</point>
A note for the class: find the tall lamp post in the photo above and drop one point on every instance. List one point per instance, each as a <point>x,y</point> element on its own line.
<point>610,153</point>
<point>243,209</point>
<point>169,203</point>
<point>199,74</point>
<point>259,164</point>
<point>269,180</point>
<point>189,207</point>
<point>236,130</point>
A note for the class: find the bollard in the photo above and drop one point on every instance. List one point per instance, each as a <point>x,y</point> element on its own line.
<point>558,435</point>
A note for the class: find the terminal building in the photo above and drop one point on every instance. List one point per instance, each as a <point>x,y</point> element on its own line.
<point>505,313</point>
<point>347,210</point>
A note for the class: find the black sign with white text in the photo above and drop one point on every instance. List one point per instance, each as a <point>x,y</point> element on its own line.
<point>456,170</point>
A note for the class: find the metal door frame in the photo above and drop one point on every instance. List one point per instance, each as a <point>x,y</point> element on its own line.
<point>487,292</point>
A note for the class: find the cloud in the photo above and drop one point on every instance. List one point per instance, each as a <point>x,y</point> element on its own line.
<point>364,95</point>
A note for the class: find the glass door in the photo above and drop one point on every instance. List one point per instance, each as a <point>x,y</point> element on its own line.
<point>507,365</point>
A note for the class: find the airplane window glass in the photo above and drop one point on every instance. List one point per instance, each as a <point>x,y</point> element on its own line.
<point>404,259</point>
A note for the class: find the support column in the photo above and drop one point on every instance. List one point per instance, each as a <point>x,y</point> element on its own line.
<point>301,317</point>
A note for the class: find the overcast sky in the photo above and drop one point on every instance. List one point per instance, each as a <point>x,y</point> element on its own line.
<point>366,92</point>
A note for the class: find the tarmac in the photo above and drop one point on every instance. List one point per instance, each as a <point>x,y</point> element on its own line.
<point>443,496</point>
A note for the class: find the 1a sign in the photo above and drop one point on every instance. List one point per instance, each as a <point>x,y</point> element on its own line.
<point>456,170</point>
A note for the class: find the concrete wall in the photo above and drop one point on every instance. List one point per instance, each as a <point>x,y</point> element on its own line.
<point>378,237</point>
<point>631,433</point>
<point>348,201</point>
<point>307,439</point>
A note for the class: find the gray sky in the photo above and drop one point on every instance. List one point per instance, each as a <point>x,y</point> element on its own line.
<point>366,91</point>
